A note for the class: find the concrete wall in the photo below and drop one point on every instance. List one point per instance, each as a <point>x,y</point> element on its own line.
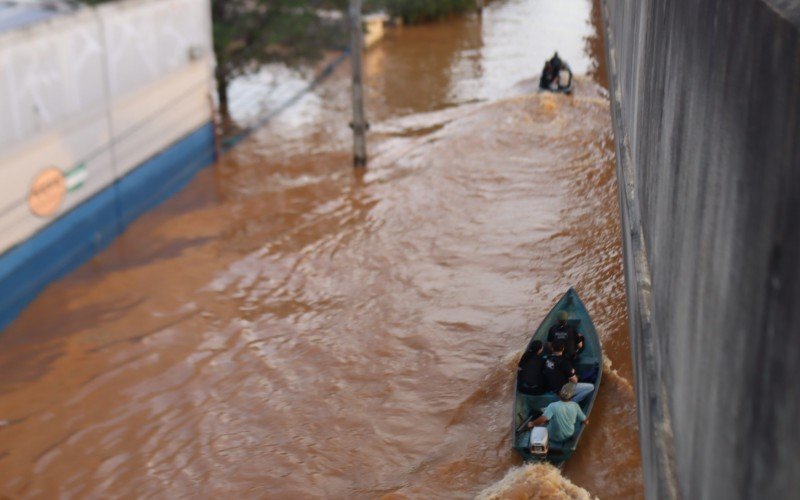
<point>706,109</point>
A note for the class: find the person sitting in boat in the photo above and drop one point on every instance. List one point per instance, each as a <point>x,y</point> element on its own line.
<point>531,370</point>
<point>561,416</point>
<point>559,371</point>
<point>562,330</point>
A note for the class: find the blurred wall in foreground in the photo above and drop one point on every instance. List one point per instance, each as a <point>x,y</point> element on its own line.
<point>103,113</point>
<point>706,109</point>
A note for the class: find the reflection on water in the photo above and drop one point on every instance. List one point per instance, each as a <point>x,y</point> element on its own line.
<point>287,328</point>
<point>254,96</point>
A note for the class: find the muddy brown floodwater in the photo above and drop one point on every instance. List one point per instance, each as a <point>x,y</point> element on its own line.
<point>286,327</point>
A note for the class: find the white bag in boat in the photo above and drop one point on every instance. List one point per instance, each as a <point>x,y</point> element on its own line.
<point>540,441</point>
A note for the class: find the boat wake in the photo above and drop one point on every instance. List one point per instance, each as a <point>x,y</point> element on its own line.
<point>611,373</point>
<point>533,481</point>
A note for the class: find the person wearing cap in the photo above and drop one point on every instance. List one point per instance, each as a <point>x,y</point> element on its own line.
<point>531,370</point>
<point>561,416</point>
<point>562,330</point>
<point>558,371</point>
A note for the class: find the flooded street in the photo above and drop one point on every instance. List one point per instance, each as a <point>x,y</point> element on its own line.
<point>286,327</point>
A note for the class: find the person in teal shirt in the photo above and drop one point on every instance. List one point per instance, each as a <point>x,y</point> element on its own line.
<point>561,416</point>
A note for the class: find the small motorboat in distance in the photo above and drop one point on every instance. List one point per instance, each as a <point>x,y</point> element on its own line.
<point>556,75</point>
<point>527,407</point>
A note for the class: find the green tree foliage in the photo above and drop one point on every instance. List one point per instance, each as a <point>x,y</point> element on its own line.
<point>249,33</point>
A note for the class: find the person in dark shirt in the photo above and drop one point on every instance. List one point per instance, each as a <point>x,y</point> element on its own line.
<point>546,80</point>
<point>562,330</point>
<point>550,72</point>
<point>559,371</point>
<point>531,370</point>
<point>556,63</point>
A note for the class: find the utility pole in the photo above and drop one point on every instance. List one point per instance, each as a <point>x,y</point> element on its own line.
<point>359,124</point>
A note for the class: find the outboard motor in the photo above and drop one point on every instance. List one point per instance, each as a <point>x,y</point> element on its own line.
<point>540,442</point>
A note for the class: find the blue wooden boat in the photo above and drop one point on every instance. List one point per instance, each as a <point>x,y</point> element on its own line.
<point>589,361</point>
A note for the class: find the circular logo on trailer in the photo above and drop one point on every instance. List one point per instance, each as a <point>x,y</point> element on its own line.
<point>47,192</point>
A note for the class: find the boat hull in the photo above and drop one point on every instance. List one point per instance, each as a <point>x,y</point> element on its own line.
<point>589,363</point>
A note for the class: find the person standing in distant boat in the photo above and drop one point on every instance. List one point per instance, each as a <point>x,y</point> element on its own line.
<point>552,77</point>
<point>556,63</point>
<point>550,72</point>
<point>558,371</point>
<point>562,330</point>
<point>546,80</point>
<point>561,416</point>
<point>531,370</point>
